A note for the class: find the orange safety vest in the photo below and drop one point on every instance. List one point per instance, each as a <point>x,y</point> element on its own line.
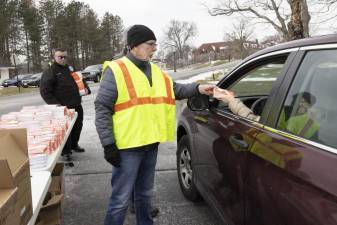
<point>79,83</point>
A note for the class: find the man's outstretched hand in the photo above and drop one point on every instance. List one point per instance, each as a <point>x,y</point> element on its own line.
<point>206,89</point>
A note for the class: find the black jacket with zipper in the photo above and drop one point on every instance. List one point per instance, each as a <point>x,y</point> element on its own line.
<point>58,86</point>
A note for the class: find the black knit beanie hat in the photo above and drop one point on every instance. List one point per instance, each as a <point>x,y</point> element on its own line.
<point>139,34</point>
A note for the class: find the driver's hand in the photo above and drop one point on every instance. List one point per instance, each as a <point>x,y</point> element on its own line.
<point>223,95</point>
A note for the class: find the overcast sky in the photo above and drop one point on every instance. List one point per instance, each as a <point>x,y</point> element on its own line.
<point>156,14</point>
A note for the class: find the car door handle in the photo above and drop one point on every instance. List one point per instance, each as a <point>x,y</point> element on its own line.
<point>238,143</point>
<point>200,119</point>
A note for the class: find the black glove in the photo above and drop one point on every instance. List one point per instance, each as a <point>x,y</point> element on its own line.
<point>111,155</point>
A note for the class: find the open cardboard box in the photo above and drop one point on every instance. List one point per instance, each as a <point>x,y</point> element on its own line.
<point>51,210</point>
<point>57,180</point>
<point>14,149</point>
<point>8,196</point>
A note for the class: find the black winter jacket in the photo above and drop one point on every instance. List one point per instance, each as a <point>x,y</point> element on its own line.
<point>58,87</point>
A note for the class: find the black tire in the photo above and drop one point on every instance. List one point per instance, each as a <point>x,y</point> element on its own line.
<point>185,173</point>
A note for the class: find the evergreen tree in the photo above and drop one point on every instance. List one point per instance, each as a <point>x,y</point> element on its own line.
<point>33,28</point>
<point>10,33</point>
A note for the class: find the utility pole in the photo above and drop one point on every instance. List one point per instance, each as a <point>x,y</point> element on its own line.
<point>174,61</point>
<point>16,71</point>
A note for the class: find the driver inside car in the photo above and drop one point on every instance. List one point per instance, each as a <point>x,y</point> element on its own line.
<point>303,123</point>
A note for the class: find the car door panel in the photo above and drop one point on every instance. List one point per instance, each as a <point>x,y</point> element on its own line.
<point>290,182</point>
<point>291,177</point>
<point>222,144</point>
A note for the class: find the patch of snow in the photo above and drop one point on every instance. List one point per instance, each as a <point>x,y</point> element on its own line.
<point>201,76</point>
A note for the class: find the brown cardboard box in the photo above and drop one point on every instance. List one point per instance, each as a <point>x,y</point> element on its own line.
<point>13,148</point>
<point>57,180</point>
<point>8,195</point>
<point>51,211</point>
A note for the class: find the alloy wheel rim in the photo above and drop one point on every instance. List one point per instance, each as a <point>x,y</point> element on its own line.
<point>185,168</point>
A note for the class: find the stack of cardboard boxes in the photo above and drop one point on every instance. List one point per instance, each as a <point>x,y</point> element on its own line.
<point>8,196</point>
<point>15,179</point>
<point>15,186</point>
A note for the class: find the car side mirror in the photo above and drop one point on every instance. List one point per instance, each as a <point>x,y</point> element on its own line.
<point>198,103</point>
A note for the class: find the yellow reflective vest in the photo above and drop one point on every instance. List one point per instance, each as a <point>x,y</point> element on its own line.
<point>144,114</point>
<point>303,126</point>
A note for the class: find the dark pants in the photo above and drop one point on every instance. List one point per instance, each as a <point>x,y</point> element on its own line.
<point>75,133</point>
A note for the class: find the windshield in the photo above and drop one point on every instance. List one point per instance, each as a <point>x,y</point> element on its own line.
<point>93,67</point>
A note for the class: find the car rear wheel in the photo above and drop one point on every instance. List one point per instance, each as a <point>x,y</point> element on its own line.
<point>185,172</point>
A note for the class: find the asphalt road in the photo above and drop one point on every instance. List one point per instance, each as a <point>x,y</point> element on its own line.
<point>88,182</point>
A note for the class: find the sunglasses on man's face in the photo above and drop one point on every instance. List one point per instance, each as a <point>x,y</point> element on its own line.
<point>62,57</point>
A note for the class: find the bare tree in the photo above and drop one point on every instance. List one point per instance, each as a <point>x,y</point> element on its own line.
<point>239,35</point>
<point>328,2</point>
<point>290,20</point>
<point>177,37</point>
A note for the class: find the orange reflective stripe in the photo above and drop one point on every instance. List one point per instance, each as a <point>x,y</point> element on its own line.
<point>131,103</point>
<point>134,100</point>
<point>79,83</point>
<point>306,127</point>
<point>168,85</point>
<point>143,101</point>
<point>160,100</point>
<point>127,78</point>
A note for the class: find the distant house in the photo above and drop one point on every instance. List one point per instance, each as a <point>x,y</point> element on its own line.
<point>211,51</point>
<point>224,50</point>
<point>6,72</point>
<point>251,44</point>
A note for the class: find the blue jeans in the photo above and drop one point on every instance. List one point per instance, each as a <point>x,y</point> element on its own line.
<point>136,172</point>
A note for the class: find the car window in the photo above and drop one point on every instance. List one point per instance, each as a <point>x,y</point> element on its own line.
<point>258,81</point>
<point>309,110</point>
<point>255,85</point>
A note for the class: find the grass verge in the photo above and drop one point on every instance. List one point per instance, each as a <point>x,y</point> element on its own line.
<point>7,91</point>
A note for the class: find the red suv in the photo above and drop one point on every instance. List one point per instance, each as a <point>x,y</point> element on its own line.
<point>282,169</point>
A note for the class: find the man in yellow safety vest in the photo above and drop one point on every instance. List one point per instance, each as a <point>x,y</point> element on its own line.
<point>135,111</point>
